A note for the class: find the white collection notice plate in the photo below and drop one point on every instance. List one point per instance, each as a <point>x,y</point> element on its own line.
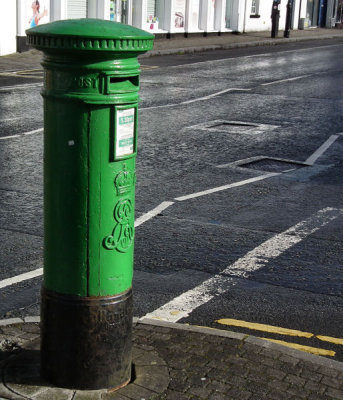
<point>125,129</point>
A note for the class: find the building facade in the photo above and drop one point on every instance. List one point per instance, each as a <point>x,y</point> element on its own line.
<point>163,16</point>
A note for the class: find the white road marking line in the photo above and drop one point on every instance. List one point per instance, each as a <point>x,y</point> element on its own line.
<point>10,137</point>
<point>181,306</point>
<point>21,278</point>
<point>285,80</point>
<point>38,272</point>
<point>151,214</point>
<point>204,98</point>
<point>213,95</point>
<point>274,247</point>
<point>21,72</point>
<point>321,150</point>
<point>22,134</point>
<point>310,161</point>
<point>25,86</point>
<point>155,107</point>
<point>32,132</point>
<point>229,186</point>
<point>10,119</point>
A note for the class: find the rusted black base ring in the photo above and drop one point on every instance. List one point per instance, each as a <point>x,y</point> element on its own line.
<point>86,342</point>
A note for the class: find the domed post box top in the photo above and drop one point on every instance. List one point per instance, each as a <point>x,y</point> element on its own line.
<point>89,35</point>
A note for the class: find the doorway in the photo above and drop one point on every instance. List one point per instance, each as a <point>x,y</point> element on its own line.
<point>229,14</point>
<point>312,12</point>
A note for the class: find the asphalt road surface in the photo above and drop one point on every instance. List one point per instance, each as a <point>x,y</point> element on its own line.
<point>239,205</point>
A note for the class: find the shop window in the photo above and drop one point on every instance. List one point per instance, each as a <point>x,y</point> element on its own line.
<point>151,8</point>
<point>151,16</point>
<point>254,11</point>
<point>179,13</point>
<point>194,12</point>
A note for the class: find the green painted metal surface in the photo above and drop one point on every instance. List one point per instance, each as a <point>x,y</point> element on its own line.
<point>90,95</point>
<point>90,28</point>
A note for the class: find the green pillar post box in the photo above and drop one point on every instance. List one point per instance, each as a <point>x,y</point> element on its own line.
<point>90,95</point>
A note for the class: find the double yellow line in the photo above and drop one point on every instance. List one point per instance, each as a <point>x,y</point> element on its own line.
<point>288,332</point>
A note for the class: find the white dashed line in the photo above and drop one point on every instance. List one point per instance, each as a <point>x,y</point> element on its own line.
<point>20,278</point>
<point>285,80</point>
<point>151,214</point>
<point>22,134</point>
<point>322,149</point>
<point>229,186</point>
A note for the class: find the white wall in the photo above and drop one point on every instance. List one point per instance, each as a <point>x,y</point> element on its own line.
<point>264,23</point>
<point>8,41</point>
<point>199,15</point>
<point>207,15</point>
<point>177,15</point>
<point>241,16</point>
<point>58,10</point>
<point>192,15</point>
<point>297,14</point>
<point>219,18</point>
<point>18,12</point>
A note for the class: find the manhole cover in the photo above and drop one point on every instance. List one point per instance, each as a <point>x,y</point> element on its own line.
<point>233,127</point>
<point>273,165</point>
<point>238,127</point>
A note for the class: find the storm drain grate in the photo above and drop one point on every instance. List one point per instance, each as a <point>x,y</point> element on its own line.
<point>273,165</point>
<point>238,127</point>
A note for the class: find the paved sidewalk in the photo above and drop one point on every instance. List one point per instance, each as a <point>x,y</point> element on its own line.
<point>179,362</point>
<point>179,45</point>
<point>232,40</point>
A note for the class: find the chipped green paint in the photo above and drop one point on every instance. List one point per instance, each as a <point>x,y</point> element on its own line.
<point>90,95</point>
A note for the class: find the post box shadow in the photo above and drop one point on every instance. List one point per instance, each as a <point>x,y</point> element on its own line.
<point>20,370</point>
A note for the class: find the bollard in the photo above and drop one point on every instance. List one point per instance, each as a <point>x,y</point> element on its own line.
<point>288,19</point>
<point>91,83</point>
<point>275,18</point>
